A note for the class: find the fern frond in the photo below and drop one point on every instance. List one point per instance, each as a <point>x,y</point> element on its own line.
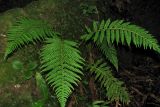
<point>115,91</point>
<point>62,61</point>
<point>121,32</point>
<point>26,31</point>
<point>110,53</point>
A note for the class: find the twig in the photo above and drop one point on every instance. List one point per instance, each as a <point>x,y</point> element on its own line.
<point>155,97</point>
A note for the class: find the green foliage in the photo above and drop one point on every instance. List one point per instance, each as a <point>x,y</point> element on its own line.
<point>88,9</point>
<point>103,74</point>
<point>38,103</point>
<point>32,65</point>
<point>41,84</point>
<point>110,53</point>
<point>17,65</point>
<point>121,32</point>
<point>60,57</point>
<point>26,31</point>
<point>63,61</point>
<point>100,104</point>
<point>28,71</point>
<point>28,74</point>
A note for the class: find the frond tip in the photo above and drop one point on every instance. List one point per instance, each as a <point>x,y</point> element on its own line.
<point>115,91</point>
<point>121,32</point>
<point>26,31</point>
<point>62,60</point>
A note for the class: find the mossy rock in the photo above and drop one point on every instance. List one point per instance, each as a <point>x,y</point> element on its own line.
<point>64,15</point>
<point>7,18</point>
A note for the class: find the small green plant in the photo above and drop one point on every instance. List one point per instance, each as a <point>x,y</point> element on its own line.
<point>62,63</point>
<point>41,84</point>
<point>26,70</point>
<point>88,9</point>
<point>17,65</point>
<point>32,65</point>
<point>100,104</point>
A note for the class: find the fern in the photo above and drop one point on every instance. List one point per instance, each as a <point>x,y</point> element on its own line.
<point>62,57</point>
<point>110,53</point>
<point>26,31</point>
<point>64,63</point>
<point>61,60</point>
<point>115,91</point>
<point>121,32</point>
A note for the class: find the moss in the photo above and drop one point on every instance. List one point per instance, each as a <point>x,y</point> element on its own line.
<point>8,75</point>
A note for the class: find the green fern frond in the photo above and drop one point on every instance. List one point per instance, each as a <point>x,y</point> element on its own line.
<point>121,32</point>
<point>110,53</point>
<point>115,91</point>
<point>62,61</point>
<point>26,31</point>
